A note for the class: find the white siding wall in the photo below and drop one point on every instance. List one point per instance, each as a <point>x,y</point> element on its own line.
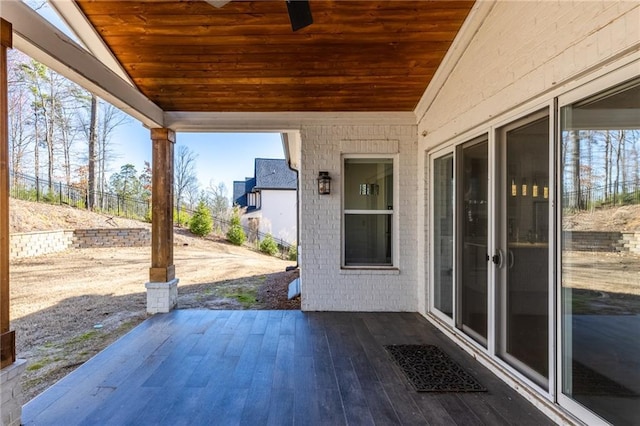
<point>523,50</point>
<point>279,214</point>
<point>324,285</point>
<point>525,53</point>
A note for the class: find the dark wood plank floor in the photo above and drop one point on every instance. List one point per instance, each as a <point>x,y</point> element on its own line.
<point>270,368</point>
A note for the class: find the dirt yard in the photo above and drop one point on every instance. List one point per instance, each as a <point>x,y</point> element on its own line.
<point>67,307</point>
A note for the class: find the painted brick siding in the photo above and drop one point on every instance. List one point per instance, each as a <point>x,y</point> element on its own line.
<point>39,243</point>
<point>325,286</point>
<point>524,49</point>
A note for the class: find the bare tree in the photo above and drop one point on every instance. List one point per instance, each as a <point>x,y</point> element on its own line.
<point>20,137</point>
<point>110,118</point>
<point>575,169</point>
<point>218,200</point>
<point>92,160</point>
<point>184,174</point>
<point>192,195</point>
<point>99,122</point>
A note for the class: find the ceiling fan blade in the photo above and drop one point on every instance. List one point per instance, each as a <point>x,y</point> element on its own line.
<point>299,14</point>
<point>217,3</point>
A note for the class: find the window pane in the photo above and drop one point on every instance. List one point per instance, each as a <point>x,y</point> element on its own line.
<point>443,234</point>
<point>368,184</point>
<point>601,254</point>
<point>367,239</point>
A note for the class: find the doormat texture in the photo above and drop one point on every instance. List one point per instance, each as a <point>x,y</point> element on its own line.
<point>429,369</point>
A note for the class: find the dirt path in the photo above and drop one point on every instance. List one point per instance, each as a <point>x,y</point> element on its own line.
<point>66,307</point>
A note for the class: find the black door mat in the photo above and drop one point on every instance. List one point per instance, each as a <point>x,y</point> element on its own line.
<point>429,369</point>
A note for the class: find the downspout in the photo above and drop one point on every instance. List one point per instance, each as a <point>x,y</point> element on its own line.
<point>285,145</point>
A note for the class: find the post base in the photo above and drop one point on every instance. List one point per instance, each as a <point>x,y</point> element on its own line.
<point>11,398</point>
<point>162,297</point>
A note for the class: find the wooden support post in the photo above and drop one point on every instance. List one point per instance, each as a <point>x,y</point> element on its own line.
<point>7,337</point>
<point>162,268</point>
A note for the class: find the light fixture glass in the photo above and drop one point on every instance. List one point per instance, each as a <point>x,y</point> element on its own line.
<point>534,189</point>
<point>514,188</point>
<point>524,187</point>
<point>324,183</point>
<point>545,191</point>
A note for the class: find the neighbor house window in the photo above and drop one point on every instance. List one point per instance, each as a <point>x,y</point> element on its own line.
<point>254,199</point>
<point>368,212</point>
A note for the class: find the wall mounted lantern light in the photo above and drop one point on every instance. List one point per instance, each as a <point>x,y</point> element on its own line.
<point>324,183</point>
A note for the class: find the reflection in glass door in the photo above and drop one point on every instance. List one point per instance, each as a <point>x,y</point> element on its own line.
<point>523,253</point>
<point>473,233</point>
<point>600,278</point>
<point>443,234</point>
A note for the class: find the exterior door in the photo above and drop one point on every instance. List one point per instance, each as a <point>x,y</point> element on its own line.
<point>522,251</point>
<point>473,198</point>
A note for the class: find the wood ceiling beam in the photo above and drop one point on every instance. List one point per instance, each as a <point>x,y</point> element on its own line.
<point>37,38</point>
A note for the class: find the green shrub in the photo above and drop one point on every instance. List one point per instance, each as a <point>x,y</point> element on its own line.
<point>184,218</point>
<point>201,222</point>
<point>268,245</point>
<point>148,215</point>
<point>236,234</point>
<point>293,252</point>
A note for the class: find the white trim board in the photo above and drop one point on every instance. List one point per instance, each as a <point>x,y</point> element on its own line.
<point>279,121</point>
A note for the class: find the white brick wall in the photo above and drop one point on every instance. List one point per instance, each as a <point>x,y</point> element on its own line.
<point>525,49</point>
<point>325,287</point>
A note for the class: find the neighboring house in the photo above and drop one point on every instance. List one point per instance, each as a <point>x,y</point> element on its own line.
<point>269,199</point>
<point>451,203</point>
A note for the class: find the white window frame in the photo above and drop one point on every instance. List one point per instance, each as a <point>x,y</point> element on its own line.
<point>395,227</point>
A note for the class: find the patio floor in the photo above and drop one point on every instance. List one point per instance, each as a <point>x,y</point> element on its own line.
<point>193,367</point>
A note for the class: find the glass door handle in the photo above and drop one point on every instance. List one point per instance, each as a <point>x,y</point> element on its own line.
<point>498,258</point>
<point>512,260</point>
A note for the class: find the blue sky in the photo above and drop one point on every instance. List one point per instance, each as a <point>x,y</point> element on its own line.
<point>221,157</point>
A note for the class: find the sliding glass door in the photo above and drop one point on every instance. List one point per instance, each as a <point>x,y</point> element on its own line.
<point>600,257</point>
<point>473,221</point>
<point>522,285</point>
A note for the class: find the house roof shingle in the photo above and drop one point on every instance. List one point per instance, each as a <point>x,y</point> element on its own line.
<point>274,174</point>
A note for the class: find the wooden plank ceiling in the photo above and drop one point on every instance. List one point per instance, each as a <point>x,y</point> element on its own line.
<point>358,55</point>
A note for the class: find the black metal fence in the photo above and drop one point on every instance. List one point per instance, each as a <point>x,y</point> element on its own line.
<point>624,193</point>
<point>31,188</point>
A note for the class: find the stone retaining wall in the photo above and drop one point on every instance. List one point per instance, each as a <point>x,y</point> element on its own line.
<point>631,242</point>
<point>107,237</point>
<point>602,241</point>
<point>38,243</point>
